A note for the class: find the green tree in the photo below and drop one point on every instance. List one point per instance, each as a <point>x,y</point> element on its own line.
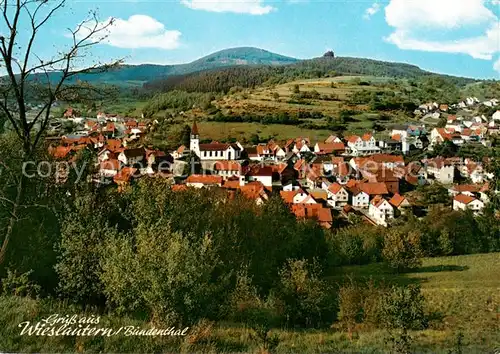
<point>403,310</point>
<point>305,296</point>
<point>402,249</point>
<point>175,280</point>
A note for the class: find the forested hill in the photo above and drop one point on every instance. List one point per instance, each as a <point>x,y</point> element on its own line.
<point>127,75</point>
<point>222,79</point>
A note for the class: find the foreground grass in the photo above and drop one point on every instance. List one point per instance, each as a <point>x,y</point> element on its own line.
<point>462,298</point>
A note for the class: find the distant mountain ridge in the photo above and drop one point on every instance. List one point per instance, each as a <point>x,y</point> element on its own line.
<point>127,74</point>
<point>259,64</point>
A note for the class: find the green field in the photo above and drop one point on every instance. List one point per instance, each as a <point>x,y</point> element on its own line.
<point>241,131</point>
<point>462,296</point>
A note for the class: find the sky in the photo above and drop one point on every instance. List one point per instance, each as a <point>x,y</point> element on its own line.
<point>457,37</point>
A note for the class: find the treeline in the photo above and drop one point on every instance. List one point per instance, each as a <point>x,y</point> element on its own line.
<point>221,80</point>
<point>178,101</point>
<point>217,80</point>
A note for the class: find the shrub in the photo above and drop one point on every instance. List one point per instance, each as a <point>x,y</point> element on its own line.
<point>403,310</point>
<point>19,284</point>
<point>402,249</point>
<point>306,298</point>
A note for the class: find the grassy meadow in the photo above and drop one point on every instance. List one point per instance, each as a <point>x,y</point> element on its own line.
<point>462,300</point>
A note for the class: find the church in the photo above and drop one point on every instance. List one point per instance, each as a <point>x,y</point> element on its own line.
<point>214,150</point>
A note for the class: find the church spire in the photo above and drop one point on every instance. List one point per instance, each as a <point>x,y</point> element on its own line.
<point>194,129</point>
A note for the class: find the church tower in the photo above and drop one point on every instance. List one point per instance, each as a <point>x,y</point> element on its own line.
<point>194,142</point>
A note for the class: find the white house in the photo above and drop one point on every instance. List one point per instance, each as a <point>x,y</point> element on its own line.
<point>298,196</point>
<point>442,172</point>
<point>301,146</point>
<point>263,174</point>
<point>464,202</point>
<point>362,145</point>
<point>109,168</point>
<point>359,199</point>
<point>496,115</point>
<point>337,195</point>
<point>380,210</point>
<point>227,169</point>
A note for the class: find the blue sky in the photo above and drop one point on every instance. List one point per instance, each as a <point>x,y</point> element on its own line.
<point>459,37</point>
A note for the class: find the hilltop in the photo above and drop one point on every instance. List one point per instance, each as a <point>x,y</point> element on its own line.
<point>136,75</point>
<point>236,65</point>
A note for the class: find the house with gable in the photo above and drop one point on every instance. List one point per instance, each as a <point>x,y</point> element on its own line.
<point>464,202</point>
<point>380,210</point>
<point>362,145</point>
<point>338,196</point>
<point>359,198</point>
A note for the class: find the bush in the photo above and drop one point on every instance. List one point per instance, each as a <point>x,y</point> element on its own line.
<point>306,298</point>
<point>19,284</point>
<point>403,310</point>
<point>402,249</point>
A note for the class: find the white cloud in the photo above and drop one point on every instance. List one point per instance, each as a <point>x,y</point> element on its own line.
<point>496,66</point>
<point>404,14</point>
<point>372,10</point>
<point>481,47</point>
<point>252,7</point>
<point>140,31</point>
<point>412,19</point>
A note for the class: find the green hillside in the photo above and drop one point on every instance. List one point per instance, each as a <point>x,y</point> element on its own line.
<point>222,79</point>
<point>134,75</point>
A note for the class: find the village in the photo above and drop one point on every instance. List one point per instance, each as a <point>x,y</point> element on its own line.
<point>325,181</point>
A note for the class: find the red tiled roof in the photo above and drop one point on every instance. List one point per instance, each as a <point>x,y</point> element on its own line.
<point>260,171</point>
<point>337,160</point>
<point>352,138</point>
<point>113,144</point>
<point>254,190</point>
<point>465,199</point>
<point>325,215</point>
<point>397,200</point>
<point>331,147</point>
<point>446,134</point>
<point>373,188</point>
<point>288,196</point>
<point>179,187</point>
<point>61,151</point>
<point>280,167</point>
<point>377,201</point>
<point>204,179</point>
<point>232,184</point>
<point>312,211</point>
<point>384,158</point>
<point>335,188</point>
<point>125,174</point>
<point>110,164</point>
<point>472,188</point>
<point>227,166</point>
<point>366,137</point>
